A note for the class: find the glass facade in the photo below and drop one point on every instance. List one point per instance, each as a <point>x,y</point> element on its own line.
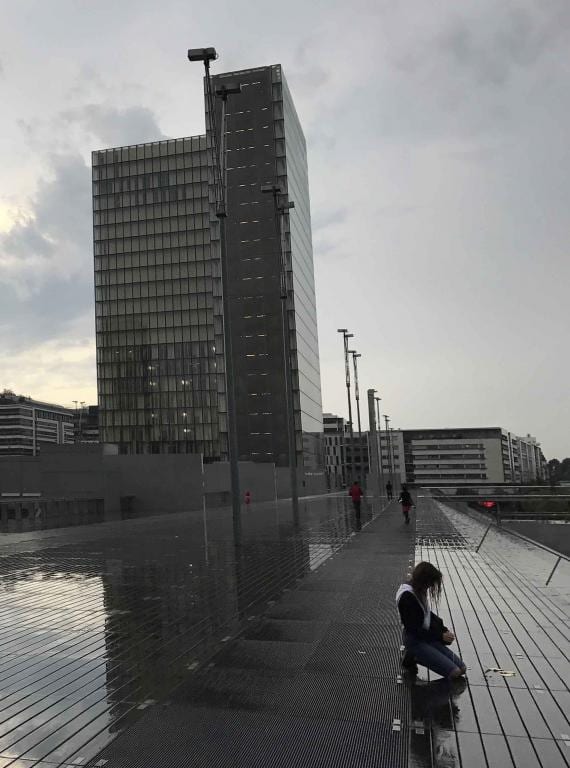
<point>157,372</point>
<point>265,145</point>
<point>305,341</point>
<point>158,292</point>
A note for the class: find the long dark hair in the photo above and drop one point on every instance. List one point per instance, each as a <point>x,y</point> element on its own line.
<point>426,578</point>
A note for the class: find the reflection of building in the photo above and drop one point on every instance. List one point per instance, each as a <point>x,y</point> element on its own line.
<point>25,424</point>
<point>86,424</point>
<point>168,612</point>
<point>159,332</point>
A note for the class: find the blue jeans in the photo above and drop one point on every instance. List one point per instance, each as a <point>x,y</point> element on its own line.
<point>434,655</point>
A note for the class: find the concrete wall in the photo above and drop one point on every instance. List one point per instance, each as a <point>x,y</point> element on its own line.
<point>159,483</point>
<point>20,475</point>
<point>156,484</point>
<point>308,485</point>
<point>258,479</point>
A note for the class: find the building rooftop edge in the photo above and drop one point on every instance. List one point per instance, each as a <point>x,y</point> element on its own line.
<point>24,400</point>
<point>230,73</point>
<point>145,143</point>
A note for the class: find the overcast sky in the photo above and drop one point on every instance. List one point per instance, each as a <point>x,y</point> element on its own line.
<point>439,161</point>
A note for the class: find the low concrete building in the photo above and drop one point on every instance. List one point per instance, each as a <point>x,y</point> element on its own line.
<point>27,425</point>
<point>461,456</point>
<point>474,455</point>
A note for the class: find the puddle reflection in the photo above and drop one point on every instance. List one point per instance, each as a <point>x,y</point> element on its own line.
<point>435,707</point>
<point>106,625</point>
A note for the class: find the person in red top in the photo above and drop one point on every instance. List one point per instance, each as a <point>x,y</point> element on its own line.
<point>355,492</point>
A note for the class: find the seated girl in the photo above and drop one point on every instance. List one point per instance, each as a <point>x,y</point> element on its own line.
<point>426,639</point>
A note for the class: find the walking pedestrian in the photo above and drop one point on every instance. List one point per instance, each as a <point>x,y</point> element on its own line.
<point>356,493</point>
<point>426,638</point>
<point>405,499</point>
<point>389,491</point>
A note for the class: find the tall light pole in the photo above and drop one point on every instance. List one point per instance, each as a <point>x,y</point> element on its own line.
<point>379,422</point>
<point>280,206</point>
<point>75,432</point>
<point>393,454</point>
<point>81,407</point>
<point>219,167</point>
<point>355,356</point>
<point>389,445</point>
<point>346,337</point>
<point>373,443</point>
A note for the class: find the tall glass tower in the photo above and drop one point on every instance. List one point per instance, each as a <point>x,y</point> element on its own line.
<point>160,356</point>
<point>266,145</point>
<point>157,376</point>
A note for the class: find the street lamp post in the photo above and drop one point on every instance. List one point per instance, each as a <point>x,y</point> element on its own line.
<point>379,422</point>
<point>281,205</point>
<point>355,356</point>
<point>394,455</point>
<point>75,434</point>
<point>346,337</point>
<point>389,446</point>
<point>374,461</point>
<point>219,167</point>
<point>81,407</point>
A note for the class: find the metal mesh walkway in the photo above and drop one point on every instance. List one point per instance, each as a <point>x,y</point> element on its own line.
<point>314,681</point>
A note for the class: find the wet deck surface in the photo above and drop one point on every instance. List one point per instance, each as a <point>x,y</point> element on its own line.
<point>170,642</point>
<point>102,624</point>
<point>505,619</point>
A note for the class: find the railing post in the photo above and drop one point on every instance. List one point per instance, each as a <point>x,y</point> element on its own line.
<point>484,537</point>
<point>552,571</point>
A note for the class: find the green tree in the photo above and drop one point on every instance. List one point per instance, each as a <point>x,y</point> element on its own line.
<point>559,470</point>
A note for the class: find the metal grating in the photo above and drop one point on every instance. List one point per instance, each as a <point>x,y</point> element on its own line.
<point>286,631</point>
<point>211,738</point>
<point>449,541</point>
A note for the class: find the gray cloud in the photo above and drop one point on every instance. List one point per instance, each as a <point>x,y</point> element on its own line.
<point>516,38</point>
<point>113,126</point>
<point>440,129</point>
<point>46,273</point>
<point>51,241</point>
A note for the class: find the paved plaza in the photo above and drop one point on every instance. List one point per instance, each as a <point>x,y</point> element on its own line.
<point>172,641</point>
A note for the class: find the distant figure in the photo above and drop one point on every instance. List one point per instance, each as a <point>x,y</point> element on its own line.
<point>426,638</point>
<point>247,497</point>
<point>389,491</point>
<point>355,492</point>
<point>406,501</point>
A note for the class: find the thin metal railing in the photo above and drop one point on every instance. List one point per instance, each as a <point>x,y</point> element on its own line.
<point>497,523</point>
